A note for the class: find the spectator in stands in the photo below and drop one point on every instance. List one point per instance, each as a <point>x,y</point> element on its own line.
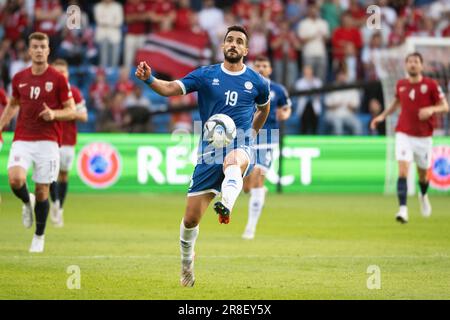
<point>272,12</point>
<point>331,12</point>
<point>124,83</point>
<point>309,107</point>
<point>314,32</point>
<point>426,28</point>
<point>137,111</point>
<point>357,12</point>
<point>346,42</point>
<point>163,15</point>
<point>108,34</point>
<point>397,35</point>
<point>375,109</point>
<point>137,18</point>
<point>20,62</point>
<point>342,106</point>
<point>388,14</point>
<point>46,19</point>
<point>246,10</point>
<point>295,11</point>
<point>136,99</point>
<point>99,91</point>
<point>112,118</point>
<point>367,56</point>
<point>258,41</point>
<point>14,19</point>
<point>77,46</point>
<point>210,19</point>
<point>183,16</point>
<point>285,46</point>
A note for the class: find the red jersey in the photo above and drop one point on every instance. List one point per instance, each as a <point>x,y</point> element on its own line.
<point>413,97</point>
<point>32,91</point>
<point>47,26</point>
<point>69,128</point>
<point>137,27</point>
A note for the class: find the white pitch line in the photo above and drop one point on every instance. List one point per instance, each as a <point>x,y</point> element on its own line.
<point>224,257</point>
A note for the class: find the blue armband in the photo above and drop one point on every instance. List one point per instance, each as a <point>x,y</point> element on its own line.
<point>150,80</point>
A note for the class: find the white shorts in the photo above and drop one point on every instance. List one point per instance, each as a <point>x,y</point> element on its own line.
<point>417,149</point>
<point>67,156</point>
<point>42,155</point>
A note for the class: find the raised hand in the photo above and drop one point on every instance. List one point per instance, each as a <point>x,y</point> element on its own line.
<point>143,71</point>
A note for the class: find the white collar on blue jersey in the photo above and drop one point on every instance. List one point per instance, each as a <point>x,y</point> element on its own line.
<point>233,73</point>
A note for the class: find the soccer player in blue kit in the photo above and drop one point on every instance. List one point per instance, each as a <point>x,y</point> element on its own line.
<point>266,141</point>
<point>229,88</point>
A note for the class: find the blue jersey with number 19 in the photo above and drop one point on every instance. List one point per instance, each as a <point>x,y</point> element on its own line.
<point>232,93</point>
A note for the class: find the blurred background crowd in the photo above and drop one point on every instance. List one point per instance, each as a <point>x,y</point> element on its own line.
<point>310,44</point>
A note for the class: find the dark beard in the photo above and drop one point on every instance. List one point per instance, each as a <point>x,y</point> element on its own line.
<point>413,74</point>
<point>234,59</point>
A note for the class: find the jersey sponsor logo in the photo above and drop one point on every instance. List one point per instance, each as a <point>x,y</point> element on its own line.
<point>423,88</point>
<point>248,85</point>
<point>21,85</point>
<point>402,89</point>
<point>215,82</point>
<point>99,165</point>
<point>439,171</point>
<point>48,86</point>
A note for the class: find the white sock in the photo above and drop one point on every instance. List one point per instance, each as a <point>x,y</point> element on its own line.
<point>255,205</point>
<point>231,186</point>
<point>188,236</point>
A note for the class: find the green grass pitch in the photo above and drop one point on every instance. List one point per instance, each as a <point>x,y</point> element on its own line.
<point>307,247</point>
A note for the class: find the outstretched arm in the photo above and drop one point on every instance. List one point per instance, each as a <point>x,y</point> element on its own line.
<point>382,116</point>
<point>10,111</point>
<point>164,88</point>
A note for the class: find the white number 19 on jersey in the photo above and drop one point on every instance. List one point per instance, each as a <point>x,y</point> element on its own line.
<point>232,97</point>
<point>34,92</point>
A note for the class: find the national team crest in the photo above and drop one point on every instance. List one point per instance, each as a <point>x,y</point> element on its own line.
<point>439,173</point>
<point>99,165</point>
<point>48,86</point>
<point>423,88</point>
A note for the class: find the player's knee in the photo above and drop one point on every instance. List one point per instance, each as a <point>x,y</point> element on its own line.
<point>191,221</point>
<point>63,177</point>
<point>41,192</point>
<point>16,182</point>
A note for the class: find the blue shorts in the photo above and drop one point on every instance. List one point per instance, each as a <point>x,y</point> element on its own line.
<point>264,157</point>
<point>208,178</point>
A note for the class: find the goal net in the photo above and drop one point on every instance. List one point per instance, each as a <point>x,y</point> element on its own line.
<point>389,65</point>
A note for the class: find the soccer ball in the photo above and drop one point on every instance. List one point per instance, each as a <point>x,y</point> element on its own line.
<point>219,130</point>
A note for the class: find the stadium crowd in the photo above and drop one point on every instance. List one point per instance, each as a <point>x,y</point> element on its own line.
<point>310,43</point>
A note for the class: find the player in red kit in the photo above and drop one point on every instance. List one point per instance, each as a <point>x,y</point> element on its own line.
<point>419,99</point>
<point>58,189</point>
<point>41,95</point>
<point>3,103</point>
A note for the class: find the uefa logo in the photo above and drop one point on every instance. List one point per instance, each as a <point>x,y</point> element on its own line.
<point>99,165</point>
<point>439,172</point>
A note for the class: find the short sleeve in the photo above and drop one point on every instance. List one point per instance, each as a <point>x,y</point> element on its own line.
<point>65,93</point>
<point>436,92</point>
<point>15,89</point>
<point>192,81</point>
<point>397,96</point>
<point>263,96</point>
